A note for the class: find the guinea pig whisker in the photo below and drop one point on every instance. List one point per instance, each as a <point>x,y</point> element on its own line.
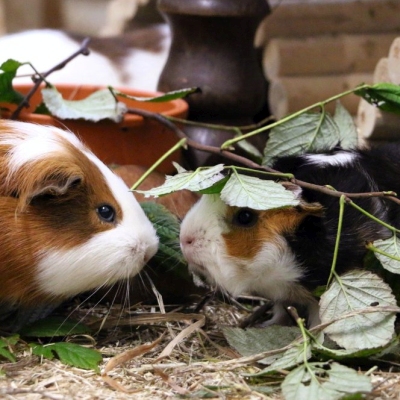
<point>119,289</point>
<point>140,276</point>
<point>86,301</point>
<point>124,292</point>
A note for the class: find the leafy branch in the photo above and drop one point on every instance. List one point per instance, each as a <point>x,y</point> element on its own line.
<point>321,105</point>
<point>253,166</point>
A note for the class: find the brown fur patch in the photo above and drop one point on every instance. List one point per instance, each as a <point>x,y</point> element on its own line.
<point>246,242</point>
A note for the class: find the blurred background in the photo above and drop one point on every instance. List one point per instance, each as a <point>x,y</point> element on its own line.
<point>87,17</point>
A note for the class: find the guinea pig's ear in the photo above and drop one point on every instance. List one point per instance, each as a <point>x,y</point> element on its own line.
<point>53,185</point>
<point>293,188</point>
<point>56,187</point>
<point>310,208</point>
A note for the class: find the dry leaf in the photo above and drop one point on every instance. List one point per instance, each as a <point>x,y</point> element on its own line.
<point>182,335</point>
<point>116,386</point>
<point>129,355</point>
<point>166,378</point>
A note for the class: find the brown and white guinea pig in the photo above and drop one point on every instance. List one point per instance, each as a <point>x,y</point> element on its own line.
<point>67,223</point>
<point>283,254</point>
<point>134,59</point>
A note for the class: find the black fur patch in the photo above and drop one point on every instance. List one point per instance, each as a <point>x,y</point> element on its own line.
<point>376,169</point>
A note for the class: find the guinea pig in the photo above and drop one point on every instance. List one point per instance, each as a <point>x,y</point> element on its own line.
<point>284,254</point>
<point>134,59</point>
<point>68,223</point>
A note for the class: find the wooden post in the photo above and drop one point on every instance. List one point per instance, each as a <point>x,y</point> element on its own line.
<point>289,94</point>
<point>394,62</point>
<point>310,18</point>
<point>373,123</point>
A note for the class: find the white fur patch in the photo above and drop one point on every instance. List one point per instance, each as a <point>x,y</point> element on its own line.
<point>274,270</point>
<point>45,48</point>
<point>337,159</point>
<point>143,68</point>
<point>106,258</point>
<point>31,142</point>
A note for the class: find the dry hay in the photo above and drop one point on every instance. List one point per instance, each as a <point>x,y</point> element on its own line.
<point>201,366</point>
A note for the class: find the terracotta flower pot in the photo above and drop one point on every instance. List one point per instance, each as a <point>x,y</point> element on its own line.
<point>132,141</point>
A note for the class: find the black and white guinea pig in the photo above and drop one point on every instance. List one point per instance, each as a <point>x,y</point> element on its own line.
<point>283,254</point>
<point>67,223</point>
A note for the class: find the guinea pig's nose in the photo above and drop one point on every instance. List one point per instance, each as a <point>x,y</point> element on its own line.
<point>187,240</point>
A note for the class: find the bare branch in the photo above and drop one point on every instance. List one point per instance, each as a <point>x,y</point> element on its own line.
<point>39,78</point>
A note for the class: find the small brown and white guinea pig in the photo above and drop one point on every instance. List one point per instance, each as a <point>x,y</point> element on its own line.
<point>67,223</point>
<point>283,254</point>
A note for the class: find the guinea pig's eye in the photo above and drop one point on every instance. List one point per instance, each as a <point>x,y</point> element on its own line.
<point>245,217</point>
<point>106,213</point>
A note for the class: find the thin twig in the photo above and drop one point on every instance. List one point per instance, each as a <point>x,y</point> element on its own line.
<point>192,143</point>
<point>39,78</point>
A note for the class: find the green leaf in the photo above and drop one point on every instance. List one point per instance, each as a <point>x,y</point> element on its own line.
<point>347,128</point>
<point>7,354</point>
<point>97,106</point>
<point>289,359</point>
<point>7,93</point>
<point>385,96</point>
<point>346,355</point>
<point>356,291</point>
<point>255,340</point>
<point>69,354</point>
<point>179,168</point>
<point>372,264</point>
<point>308,132</point>
<point>255,193</point>
<point>5,343</point>
<point>387,251</point>
<point>9,341</point>
<point>196,181</point>
<point>53,327</point>
<point>173,95</point>
<point>250,149</point>
<point>11,66</point>
<point>328,381</point>
<point>216,188</point>
<point>45,351</point>
<point>42,109</point>
<point>169,255</point>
